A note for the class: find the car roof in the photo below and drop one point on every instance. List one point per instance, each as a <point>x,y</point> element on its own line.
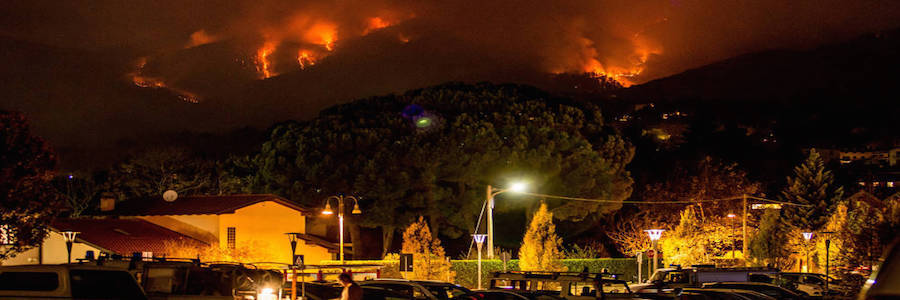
<point>741,283</point>
<point>407,280</point>
<point>55,268</point>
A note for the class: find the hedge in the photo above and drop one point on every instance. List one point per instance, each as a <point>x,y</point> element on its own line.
<point>391,267</point>
<point>467,270</point>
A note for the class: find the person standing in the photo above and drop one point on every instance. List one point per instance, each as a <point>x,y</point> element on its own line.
<point>352,291</point>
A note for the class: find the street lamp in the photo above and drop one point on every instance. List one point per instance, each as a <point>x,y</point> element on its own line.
<point>292,237</point>
<point>516,187</point>
<point>327,211</point>
<point>69,236</point>
<point>479,240</point>
<point>733,236</point>
<point>807,236</point>
<point>827,258</point>
<point>654,234</point>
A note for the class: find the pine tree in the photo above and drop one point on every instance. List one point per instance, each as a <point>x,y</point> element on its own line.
<point>541,246</point>
<point>811,185</point>
<point>429,259</point>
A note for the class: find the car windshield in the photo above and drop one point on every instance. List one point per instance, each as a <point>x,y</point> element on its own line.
<point>446,291</point>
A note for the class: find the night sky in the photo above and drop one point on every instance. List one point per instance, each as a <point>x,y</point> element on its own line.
<point>89,73</point>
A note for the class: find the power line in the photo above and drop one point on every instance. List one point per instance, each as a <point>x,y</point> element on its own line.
<point>661,202</point>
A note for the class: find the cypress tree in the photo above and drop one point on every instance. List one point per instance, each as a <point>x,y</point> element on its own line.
<point>541,246</point>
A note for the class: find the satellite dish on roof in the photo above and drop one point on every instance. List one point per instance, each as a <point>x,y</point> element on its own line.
<point>170,195</point>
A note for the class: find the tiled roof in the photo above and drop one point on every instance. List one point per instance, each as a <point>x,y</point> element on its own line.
<point>195,205</point>
<point>124,236</point>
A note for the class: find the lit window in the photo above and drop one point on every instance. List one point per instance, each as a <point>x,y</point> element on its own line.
<point>862,183</point>
<point>875,183</point>
<point>7,235</point>
<point>231,237</point>
<point>890,184</point>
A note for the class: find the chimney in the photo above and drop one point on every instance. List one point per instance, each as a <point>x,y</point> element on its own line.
<point>107,202</point>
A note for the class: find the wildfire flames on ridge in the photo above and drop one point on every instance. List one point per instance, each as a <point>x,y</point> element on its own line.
<point>219,47</point>
<point>308,38</point>
<point>140,80</point>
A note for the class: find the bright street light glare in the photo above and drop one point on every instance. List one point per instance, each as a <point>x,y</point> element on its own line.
<point>517,187</point>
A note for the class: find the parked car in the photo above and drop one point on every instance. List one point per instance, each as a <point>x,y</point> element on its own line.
<point>317,290</point>
<point>884,283</point>
<point>68,281</point>
<point>693,293</point>
<point>377,293</point>
<point>767,289</point>
<point>667,280</point>
<point>742,294</point>
<point>179,278</point>
<point>510,295</point>
<point>420,289</point>
<point>566,285</point>
<point>814,284</point>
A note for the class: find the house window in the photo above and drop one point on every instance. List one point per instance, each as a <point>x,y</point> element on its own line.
<point>890,184</point>
<point>7,235</point>
<point>231,237</point>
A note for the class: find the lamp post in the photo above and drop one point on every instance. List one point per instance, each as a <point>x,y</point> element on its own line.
<point>827,258</point>
<point>491,192</point>
<point>327,211</point>
<point>479,240</point>
<point>733,236</point>
<point>654,234</point>
<point>807,236</point>
<point>69,236</point>
<point>292,237</point>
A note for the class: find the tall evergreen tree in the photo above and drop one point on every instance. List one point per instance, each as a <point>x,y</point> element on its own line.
<point>811,185</point>
<point>541,246</point>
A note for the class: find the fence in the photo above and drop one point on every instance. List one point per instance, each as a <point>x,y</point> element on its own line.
<point>467,270</point>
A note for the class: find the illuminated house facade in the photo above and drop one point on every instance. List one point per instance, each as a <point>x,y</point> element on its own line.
<point>101,236</point>
<point>253,224</point>
<point>256,223</point>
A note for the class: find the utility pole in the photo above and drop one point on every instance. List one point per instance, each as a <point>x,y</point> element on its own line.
<point>744,239</point>
<point>490,223</point>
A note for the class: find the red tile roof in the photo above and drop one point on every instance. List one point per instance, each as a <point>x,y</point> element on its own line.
<point>195,205</point>
<point>123,236</point>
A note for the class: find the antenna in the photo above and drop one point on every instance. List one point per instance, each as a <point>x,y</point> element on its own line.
<point>170,195</point>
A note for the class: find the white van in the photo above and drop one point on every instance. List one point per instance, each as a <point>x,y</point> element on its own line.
<point>71,281</point>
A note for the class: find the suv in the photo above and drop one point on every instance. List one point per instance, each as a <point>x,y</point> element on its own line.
<point>69,281</point>
<point>667,280</point>
<point>420,289</point>
<point>567,285</point>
